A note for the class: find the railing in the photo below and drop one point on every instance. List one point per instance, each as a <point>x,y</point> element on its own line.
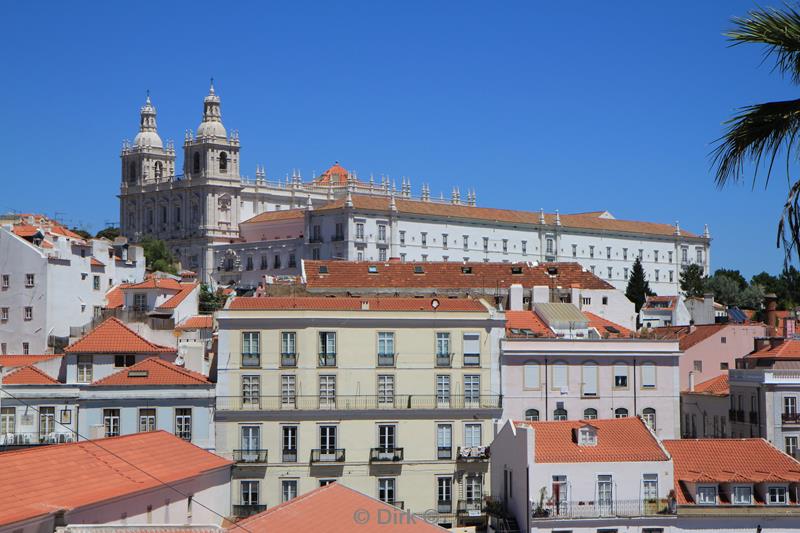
<point>34,438</point>
<point>161,323</point>
<point>598,509</point>
<point>339,402</point>
<point>736,415</point>
<point>327,359</point>
<point>337,238</point>
<point>397,503</point>
<point>443,360</point>
<point>315,239</point>
<point>288,359</point>
<point>245,510</point>
<point>473,453</point>
<point>444,452</point>
<point>473,507</point>
<point>790,418</point>
<point>329,455</point>
<point>386,454</point>
<point>472,359</point>
<point>250,456</point>
<point>251,360</point>
<point>386,359</point>
<point>289,456</point>
<point>444,506</point>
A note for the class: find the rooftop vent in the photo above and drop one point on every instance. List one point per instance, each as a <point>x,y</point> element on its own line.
<point>466,270</point>
<point>372,269</point>
<point>323,269</point>
<point>552,271</point>
<point>612,329</point>
<point>418,269</point>
<point>516,270</point>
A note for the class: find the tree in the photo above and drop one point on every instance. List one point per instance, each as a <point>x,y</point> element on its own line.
<point>790,285</point>
<point>759,133</point>
<point>158,256</point>
<point>725,290</point>
<point>82,232</point>
<point>752,297</point>
<point>735,275</point>
<point>638,288</point>
<point>210,301</point>
<point>109,233</point>
<point>691,281</point>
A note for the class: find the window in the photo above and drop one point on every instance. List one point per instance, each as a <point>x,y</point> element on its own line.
<point>7,420</point>
<point>339,232</point>
<point>472,388</point>
<point>288,390</point>
<point>472,349</point>
<point>587,436</point>
<point>47,420</point>
<point>251,390</point>
<point>183,423</point>
<point>27,313</point>
<point>620,412</point>
<point>531,377</point>
<point>591,251</point>
<point>122,361</point>
<point>465,239</point>
<point>723,366</point>
<point>442,349</point>
<point>292,261</point>
<point>532,415</point>
<point>443,390</point>
<point>444,493</point>
<point>5,281</point>
<point>605,492</point>
<point>444,241</point>
<point>3,348</point>
<point>385,348</point>
<point>742,495</point>
<point>147,420</point>
<point>549,246</point>
<point>650,487</point>
<point>382,232</point>
<point>424,239</point>
<point>574,250</point>
<point>605,300</point>
<point>559,376</point>
<point>140,301</point>
<point>698,366</point>
<point>444,441</point>
<point>649,417</point>
<point>625,273</point>
<point>386,390</point>
<point>96,283</point>
<point>777,496</point>
<point>486,244</point>
<point>387,437</point>
<point>402,238</point>
<point>610,272</point>
<point>288,348</point>
<point>505,246</point>
<point>276,262</point>
<point>707,495</point>
<point>288,489</point>
<point>29,280</point>
<point>327,439</point>
<point>586,301</point>
<point>524,247</point>
<point>4,314</point>
<point>289,444</point>
<point>621,375</point>
<point>473,488</point>
<point>327,348</point>
<point>327,391</point>
<point>249,492</point>
<point>251,439</point>
<point>657,275</point>
<point>790,405</point>
<point>472,435</point>
<point>386,489</point>
<point>671,276</point>
<point>251,351</point>
<point>402,258</point>
<point>111,422</point>
<point>84,369</point>
<point>589,379</point>
<point>648,375</point>
<point>360,231</point>
<point>26,348</point>
<point>560,414</point>
<point>790,446</point>
<point>590,414</point>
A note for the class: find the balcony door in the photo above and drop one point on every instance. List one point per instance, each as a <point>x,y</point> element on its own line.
<point>251,438</point>
<point>327,443</point>
<point>605,495</point>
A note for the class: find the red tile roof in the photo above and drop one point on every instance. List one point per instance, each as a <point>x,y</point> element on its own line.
<point>788,349</point>
<point>717,386</point>
<point>47,479</point>
<point>618,440</point>
<point>29,375</point>
<point>333,508</point>
<point>153,371</point>
<point>526,320</point>
<point>115,298</point>
<point>112,336</point>
<point>445,275</point>
<point>283,214</point>
<point>197,322</point>
<point>601,324</point>
<point>156,283</point>
<point>321,303</point>
<point>175,301</point>
<point>671,301</point>
<point>728,460</point>
<point>96,262</point>
<point>686,337</point>
<point>335,176</point>
<point>25,360</point>
<point>596,220</point>
<point>25,230</point>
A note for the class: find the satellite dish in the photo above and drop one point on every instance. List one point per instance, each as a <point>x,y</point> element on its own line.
<point>435,303</point>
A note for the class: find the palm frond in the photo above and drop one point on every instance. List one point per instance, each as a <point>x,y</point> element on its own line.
<point>779,30</point>
<point>758,132</point>
<point>789,225</point>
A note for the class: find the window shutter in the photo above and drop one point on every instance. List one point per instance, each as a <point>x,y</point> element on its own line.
<point>648,375</point>
<point>472,343</point>
<point>559,375</point>
<point>532,379</point>
<point>590,380</point>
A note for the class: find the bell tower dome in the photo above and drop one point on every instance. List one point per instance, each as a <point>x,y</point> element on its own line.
<point>146,159</point>
<point>212,153</point>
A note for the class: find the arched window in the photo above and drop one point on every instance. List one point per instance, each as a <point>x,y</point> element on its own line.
<point>196,163</point>
<point>649,417</point>
<point>620,412</point>
<point>532,415</point>
<point>158,169</point>
<point>590,414</point>
<point>132,171</point>
<point>560,414</point>
<point>223,162</point>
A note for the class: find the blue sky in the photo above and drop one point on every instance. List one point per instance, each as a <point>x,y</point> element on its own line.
<point>577,107</point>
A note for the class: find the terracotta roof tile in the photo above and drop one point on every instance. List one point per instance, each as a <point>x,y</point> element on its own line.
<point>526,320</point>
<point>25,360</point>
<point>330,509</point>
<point>602,326</point>
<point>717,386</point>
<point>46,479</point>
<point>283,214</point>
<point>335,176</point>
<point>112,336</point>
<point>96,262</point>
<point>175,301</point>
<point>356,304</point>
<point>153,371</point>
<point>115,298</point>
<point>594,220</point>
<point>787,349</point>
<point>25,230</point>
<point>686,337</point>
<point>197,322</point>
<point>725,460</point>
<point>29,375</point>
<point>156,283</point>
<point>651,302</point>
<point>618,440</point>
<point>444,275</point>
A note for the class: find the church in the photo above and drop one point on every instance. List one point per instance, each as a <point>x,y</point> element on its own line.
<point>231,229</point>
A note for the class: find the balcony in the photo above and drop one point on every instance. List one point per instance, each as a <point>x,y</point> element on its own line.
<point>337,238</point>
<point>395,503</point>
<point>289,456</point>
<point>328,455</point>
<point>444,453</point>
<point>250,456</point>
<point>471,507</point>
<point>385,359</point>
<point>472,454</point>
<point>444,506</point>
<point>360,402</point>
<point>736,415</point>
<point>33,439</point>
<point>288,359</point>
<point>444,359</point>
<point>251,360</point>
<point>790,418</point>
<point>609,509</point>
<point>244,510</point>
<point>382,455</point>
<point>315,239</point>
<point>327,359</point>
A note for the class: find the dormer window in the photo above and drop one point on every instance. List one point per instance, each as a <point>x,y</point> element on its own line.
<point>777,496</point>
<point>707,495</point>
<point>743,495</point>
<point>587,436</point>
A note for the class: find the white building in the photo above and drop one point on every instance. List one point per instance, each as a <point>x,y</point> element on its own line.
<point>53,282</point>
<point>661,311</point>
<point>705,409</point>
<point>199,212</point>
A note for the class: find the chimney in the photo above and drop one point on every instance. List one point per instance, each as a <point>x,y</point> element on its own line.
<point>364,305</point>
<point>771,306</point>
<point>692,327</point>
<point>760,343</point>
<point>691,381</point>
<point>789,324</point>
<point>515,297</point>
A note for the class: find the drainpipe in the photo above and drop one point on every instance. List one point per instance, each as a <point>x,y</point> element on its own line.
<point>758,409</point>
<point>635,410</point>
<point>546,390</point>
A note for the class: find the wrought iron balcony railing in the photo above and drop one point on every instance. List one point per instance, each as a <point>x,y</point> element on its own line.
<point>250,456</point>
<point>602,509</point>
<point>473,507</point>
<point>472,453</point>
<point>790,418</point>
<point>327,455</point>
<point>289,455</point>
<point>444,506</point>
<point>244,510</point>
<point>288,359</point>
<point>444,452</point>
<point>359,402</point>
<point>380,455</point>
